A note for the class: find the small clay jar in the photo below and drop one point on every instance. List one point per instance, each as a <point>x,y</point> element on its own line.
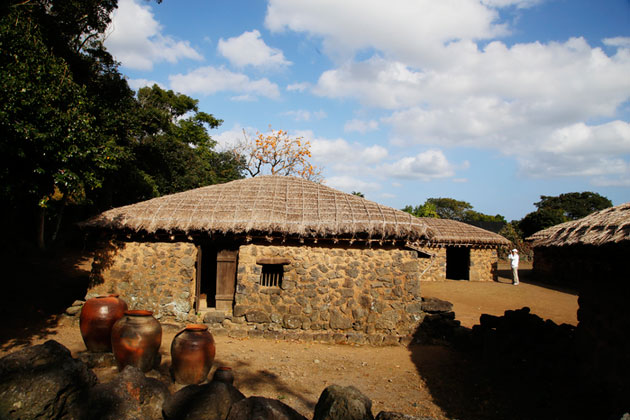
<point>136,340</point>
<point>192,354</point>
<point>223,374</point>
<point>98,316</point>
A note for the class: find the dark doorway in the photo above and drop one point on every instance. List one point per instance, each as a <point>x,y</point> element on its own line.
<point>206,277</point>
<point>457,263</point>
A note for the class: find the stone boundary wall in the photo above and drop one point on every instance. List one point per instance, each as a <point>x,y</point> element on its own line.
<point>155,276</point>
<point>331,290</point>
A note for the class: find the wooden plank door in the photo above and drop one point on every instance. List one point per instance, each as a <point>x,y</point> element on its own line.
<point>226,279</point>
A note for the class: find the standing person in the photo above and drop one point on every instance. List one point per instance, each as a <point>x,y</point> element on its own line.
<point>513,257</point>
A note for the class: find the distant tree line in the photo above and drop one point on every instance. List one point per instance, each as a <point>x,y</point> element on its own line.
<point>550,211</point>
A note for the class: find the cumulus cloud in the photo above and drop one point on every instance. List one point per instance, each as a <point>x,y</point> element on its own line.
<point>345,156</point>
<point>425,166</point>
<point>135,38</point>
<point>136,84</point>
<point>249,49</point>
<point>350,183</point>
<point>360,126</point>
<point>298,87</point>
<point>210,80</point>
<point>304,115</point>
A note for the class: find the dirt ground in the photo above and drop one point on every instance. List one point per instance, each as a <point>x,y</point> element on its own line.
<point>420,380</point>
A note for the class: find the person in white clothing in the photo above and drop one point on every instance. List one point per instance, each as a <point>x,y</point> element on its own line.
<point>513,257</point>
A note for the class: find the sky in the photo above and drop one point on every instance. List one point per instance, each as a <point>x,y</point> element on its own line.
<point>493,102</point>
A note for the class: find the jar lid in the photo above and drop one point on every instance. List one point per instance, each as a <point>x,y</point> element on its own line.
<point>138,312</point>
<point>196,327</point>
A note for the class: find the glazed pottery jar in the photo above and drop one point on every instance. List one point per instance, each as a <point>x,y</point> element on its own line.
<point>192,354</point>
<point>136,340</point>
<point>98,316</point>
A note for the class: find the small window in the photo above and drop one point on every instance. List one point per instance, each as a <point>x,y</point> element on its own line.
<point>271,275</point>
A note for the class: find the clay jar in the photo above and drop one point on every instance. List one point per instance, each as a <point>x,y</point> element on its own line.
<point>192,354</point>
<point>98,316</point>
<point>136,340</point>
<point>223,374</point>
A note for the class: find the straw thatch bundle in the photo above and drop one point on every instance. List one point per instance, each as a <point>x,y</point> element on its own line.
<point>265,205</point>
<point>458,233</point>
<point>611,225</point>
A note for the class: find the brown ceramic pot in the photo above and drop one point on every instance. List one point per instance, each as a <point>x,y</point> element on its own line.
<point>224,374</point>
<point>98,316</point>
<point>192,354</point>
<point>136,340</point>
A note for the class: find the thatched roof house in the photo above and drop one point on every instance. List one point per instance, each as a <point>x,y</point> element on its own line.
<point>611,225</point>
<point>284,252</point>
<point>276,206</point>
<point>590,255</point>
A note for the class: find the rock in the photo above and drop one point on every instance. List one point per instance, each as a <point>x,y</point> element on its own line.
<point>73,310</point>
<point>257,317</point>
<point>261,408</point>
<point>43,381</point>
<point>97,360</point>
<point>435,305</point>
<point>343,403</point>
<point>130,396</point>
<point>209,401</point>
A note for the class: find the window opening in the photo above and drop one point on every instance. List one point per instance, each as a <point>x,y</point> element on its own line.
<point>271,275</point>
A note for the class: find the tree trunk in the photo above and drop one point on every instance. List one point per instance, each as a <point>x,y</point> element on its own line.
<point>64,203</point>
<point>41,243</point>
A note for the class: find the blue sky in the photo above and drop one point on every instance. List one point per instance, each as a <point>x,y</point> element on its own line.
<point>494,102</point>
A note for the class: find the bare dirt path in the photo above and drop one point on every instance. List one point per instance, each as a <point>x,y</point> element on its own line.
<point>421,380</point>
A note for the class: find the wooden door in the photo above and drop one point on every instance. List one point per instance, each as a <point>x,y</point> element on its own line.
<point>226,278</point>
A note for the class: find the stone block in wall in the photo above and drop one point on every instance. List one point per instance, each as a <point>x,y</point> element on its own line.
<point>257,316</point>
<point>292,322</point>
<point>338,321</point>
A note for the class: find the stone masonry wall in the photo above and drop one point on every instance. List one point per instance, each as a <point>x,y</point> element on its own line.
<point>363,291</point>
<point>156,276</point>
<point>483,264</point>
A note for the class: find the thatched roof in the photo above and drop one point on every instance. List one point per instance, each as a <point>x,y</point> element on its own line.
<point>265,205</point>
<point>458,233</point>
<point>611,225</point>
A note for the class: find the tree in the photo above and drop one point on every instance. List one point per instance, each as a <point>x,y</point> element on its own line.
<point>358,194</point>
<point>425,210</point>
<point>50,144</point>
<point>449,208</point>
<point>552,210</point>
<point>574,205</point>
<point>277,153</point>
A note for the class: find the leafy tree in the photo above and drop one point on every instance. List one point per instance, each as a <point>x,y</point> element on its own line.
<point>552,210</point>
<point>278,154</point>
<point>425,210</point>
<point>574,205</point>
<point>449,208</point>
<point>358,194</point>
<point>172,150</point>
<point>50,143</point>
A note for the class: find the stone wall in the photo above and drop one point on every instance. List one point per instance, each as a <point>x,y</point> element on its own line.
<point>483,264</point>
<point>326,289</point>
<point>156,276</point>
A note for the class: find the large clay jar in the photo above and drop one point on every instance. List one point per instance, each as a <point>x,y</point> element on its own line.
<point>192,354</point>
<point>136,340</point>
<point>98,316</point>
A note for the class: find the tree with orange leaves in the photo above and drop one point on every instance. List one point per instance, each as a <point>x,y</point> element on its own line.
<point>276,153</point>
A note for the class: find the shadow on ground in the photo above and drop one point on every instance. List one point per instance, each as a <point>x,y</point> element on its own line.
<point>36,290</point>
<point>517,366</point>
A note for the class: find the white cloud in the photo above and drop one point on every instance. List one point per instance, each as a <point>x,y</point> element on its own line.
<point>135,38</point>
<point>360,126</point>
<point>520,4</point>
<point>232,138</point>
<point>345,156</point>
<point>210,80</point>
<point>407,28</point>
<point>136,84</point>
<point>349,184</point>
<point>298,87</point>
<point>619,41</point>
<point>425,166</point>
<point>249,49</point>
<point>304,115</point>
